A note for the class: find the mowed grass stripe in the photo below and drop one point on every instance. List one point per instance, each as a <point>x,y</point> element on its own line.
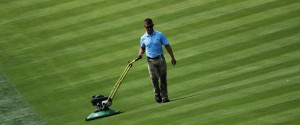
<point>90,32</point>
<point>10,33</point>
<point>135,87</point>
<point>98,78</point>
<point>287,117</point>
<point>256,29</point>
<point>126,92</point>
<point>222,74</point>
<point>242,77</point>
<point>247,22</point>
<point>211,30</point>
<point>234,108</point>
<point>49,10</point>
<point>131,19</point>
<point>94,45</point>
<point>191,70</point>
<point>33,22</point>
<point>249,75</point>
<point>79,15</point>
<point>105,40</point>
<point>226,50</point>
<point>100,82</point>
<point>212,17</point>
<point>193,108</point>
<point>180,96</point>
<point>100,14</point>
<point>277,108</point>
<point>237,77</point>
<point>240,83</point>
<point>287,73</point>
<point>215,62</point>
<point>204,25</point>
<point>251,110</point>
<point>13,5</point>
<point>217,79</point>
<point>230,58</point>
<point>114,38</point>
<point>14,110</point>
<point>188,44</point>
<point>68,11</point>
<point>245,50</point>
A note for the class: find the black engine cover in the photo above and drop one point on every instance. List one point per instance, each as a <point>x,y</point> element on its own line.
<point>97,99</point>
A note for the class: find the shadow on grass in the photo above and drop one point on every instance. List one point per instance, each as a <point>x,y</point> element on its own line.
<point>186,97</point>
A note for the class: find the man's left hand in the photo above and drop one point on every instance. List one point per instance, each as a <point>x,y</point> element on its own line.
<point>173,60</point>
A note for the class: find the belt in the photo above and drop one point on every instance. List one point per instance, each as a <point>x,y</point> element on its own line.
<point>157,57</point>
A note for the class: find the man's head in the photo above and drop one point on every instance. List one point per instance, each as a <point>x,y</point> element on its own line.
<point>148,24</point>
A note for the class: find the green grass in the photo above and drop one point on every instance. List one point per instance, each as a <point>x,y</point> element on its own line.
<point>238,61</point>
<point>14,111</point>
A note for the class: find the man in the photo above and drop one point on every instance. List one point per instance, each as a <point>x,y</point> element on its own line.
<point>151,43</point>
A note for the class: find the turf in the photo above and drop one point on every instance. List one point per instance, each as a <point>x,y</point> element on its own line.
<point>14,110</point>
<point>238,61</point>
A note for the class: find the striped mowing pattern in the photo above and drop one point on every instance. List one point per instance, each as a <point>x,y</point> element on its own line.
<point>238,60</point>
<point>14,111</point>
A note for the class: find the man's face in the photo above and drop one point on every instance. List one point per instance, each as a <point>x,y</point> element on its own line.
<point>149,28</point>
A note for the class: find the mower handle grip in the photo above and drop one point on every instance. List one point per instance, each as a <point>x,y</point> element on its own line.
<point>130,63</point>
<point>136,59</point>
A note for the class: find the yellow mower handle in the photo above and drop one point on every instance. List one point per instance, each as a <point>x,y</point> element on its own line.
<point>120,80</point>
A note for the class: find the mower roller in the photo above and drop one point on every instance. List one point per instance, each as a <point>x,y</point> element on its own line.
<point>103,103</point>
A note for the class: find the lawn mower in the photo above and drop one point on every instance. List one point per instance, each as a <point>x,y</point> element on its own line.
<point>102,103</point>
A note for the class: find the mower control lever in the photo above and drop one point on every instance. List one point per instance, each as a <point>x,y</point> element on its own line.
<point>107,103</point>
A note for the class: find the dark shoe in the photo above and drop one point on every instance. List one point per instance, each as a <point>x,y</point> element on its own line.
<point>165,100</point>
<point>158,98</point>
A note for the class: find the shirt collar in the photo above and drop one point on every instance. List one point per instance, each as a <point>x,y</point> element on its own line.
<point>154,32</point>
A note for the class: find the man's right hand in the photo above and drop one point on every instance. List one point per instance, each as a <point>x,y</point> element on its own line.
<point>141,52</point>
<point>139,56</point>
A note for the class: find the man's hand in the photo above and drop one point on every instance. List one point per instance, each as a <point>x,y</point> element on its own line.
<point>170,51</point>
<point>173,60</point>
<point>140,56</point>
<point>141,52</point>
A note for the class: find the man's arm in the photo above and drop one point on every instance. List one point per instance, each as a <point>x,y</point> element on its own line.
<point>170,51</point>
<point>141,52</point>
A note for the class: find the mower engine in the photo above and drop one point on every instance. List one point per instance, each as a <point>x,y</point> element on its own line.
<point>101,102</point>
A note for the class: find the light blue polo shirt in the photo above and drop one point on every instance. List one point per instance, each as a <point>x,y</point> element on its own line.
<point>153,43</point>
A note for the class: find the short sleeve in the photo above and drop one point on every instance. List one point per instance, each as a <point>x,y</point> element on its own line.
<point>142,42</point>
<point>164,40</point>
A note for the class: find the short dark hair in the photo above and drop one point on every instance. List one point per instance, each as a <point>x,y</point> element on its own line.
<point>148,21</point>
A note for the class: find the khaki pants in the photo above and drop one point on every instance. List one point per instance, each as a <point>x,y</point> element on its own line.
<point>158,72</point>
